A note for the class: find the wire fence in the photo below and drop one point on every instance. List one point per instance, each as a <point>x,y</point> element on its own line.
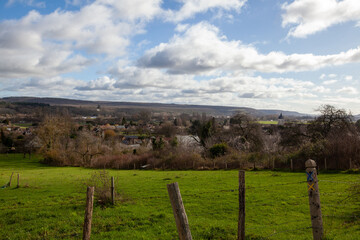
<point>334,203</point>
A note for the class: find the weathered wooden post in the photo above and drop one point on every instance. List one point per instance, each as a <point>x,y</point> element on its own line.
<point>112,191</point>
<point>88,213</point>
<point>291,165</point>
<point>9,184</point>
<point>273,166</point>
<point>325,164</point>
<point>18,181</point>
<point>314,200</point>
<point>181,219</point>
<point>241,222</point>
<point>350,164</point>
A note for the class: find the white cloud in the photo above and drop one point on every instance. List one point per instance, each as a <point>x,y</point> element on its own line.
<point>311,16</point>
<point>332,75</point>
<point>184,88</point>
<point>133,9</point>
<point>153,85</point>
<point>348,78</point>
<point>321,89</point>
<point>192,7</point>
<point>43,87</point>
<point>348,90</point>
<point>329,82</point>
<point>181,27</point>
<point>102,83</point>
<point>201,48</point>
<point>48,45</point>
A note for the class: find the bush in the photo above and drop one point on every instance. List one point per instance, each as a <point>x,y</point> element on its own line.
<point>218,150</point>
<point>101,181</point>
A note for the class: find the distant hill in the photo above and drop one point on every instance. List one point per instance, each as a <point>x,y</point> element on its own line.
<point>162,107</point>
<point>357,117</point>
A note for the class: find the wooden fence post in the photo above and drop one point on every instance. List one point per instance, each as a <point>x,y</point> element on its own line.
<point>112,191</point>
<point>291,165</point>
<point>325,164</point>
<point>18,181</point>
<point>9,184</point>
<point>88,213</point>
<point>241,222</point>
<point>181,219</point>
<point>350,164</point>
<point>273,164</point>
<point>314,200</point>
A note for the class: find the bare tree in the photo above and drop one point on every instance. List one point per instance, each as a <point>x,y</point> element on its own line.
<point>330,120</point>
<point>54,136</point>
<point>87,146</point>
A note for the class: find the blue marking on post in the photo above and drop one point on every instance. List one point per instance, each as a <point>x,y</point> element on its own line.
<point>309,176</point>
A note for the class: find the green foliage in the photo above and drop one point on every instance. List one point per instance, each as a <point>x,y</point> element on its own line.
<point>157,144</point>
<point>123,121</point>
<point>174,142</point>
<point>218,150</point>
<point>6,140</point>
<point>203,130</point>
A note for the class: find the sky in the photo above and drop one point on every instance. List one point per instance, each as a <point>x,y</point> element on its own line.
<point>265,54</point>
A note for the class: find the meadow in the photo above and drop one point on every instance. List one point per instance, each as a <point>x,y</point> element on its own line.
<point>50,203</point>
<point>268,122</point>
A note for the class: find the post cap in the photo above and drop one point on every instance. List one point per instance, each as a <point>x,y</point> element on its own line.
<point>310,163</point>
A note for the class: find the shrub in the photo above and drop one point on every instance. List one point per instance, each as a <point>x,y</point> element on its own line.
<point>158,145</point>
<point>109,134</point>
<point>218,150</point>
<point>101,182</point>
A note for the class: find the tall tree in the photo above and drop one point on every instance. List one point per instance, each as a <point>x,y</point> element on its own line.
<point>330,120</point>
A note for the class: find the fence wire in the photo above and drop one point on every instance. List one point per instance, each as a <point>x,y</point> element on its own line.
<point>332,209</point>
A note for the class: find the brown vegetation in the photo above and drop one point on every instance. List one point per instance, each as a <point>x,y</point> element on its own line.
<point>332,139</point>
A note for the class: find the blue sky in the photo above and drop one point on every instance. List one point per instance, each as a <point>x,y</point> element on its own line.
<point>290,55</point>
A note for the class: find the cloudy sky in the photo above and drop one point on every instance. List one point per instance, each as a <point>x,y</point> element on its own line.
<point>265,54</point>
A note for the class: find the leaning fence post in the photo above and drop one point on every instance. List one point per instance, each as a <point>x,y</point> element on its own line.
<point>181,219</point>
<point>88,213</point>
<point>9,184</point>
<point>112,191</point>
<point>18,181</point>
<point>241,222</point>
<point>314,200</point>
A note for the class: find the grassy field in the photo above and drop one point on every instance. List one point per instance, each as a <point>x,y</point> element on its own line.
<point>267,122</point>
<point>50,204</point>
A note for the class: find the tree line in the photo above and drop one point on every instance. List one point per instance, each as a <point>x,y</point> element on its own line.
<point>332,139</point>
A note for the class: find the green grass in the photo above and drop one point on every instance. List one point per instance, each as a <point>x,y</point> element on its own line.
<point>50,204</point>
<point>23,125</point>
<point>267,122</point>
